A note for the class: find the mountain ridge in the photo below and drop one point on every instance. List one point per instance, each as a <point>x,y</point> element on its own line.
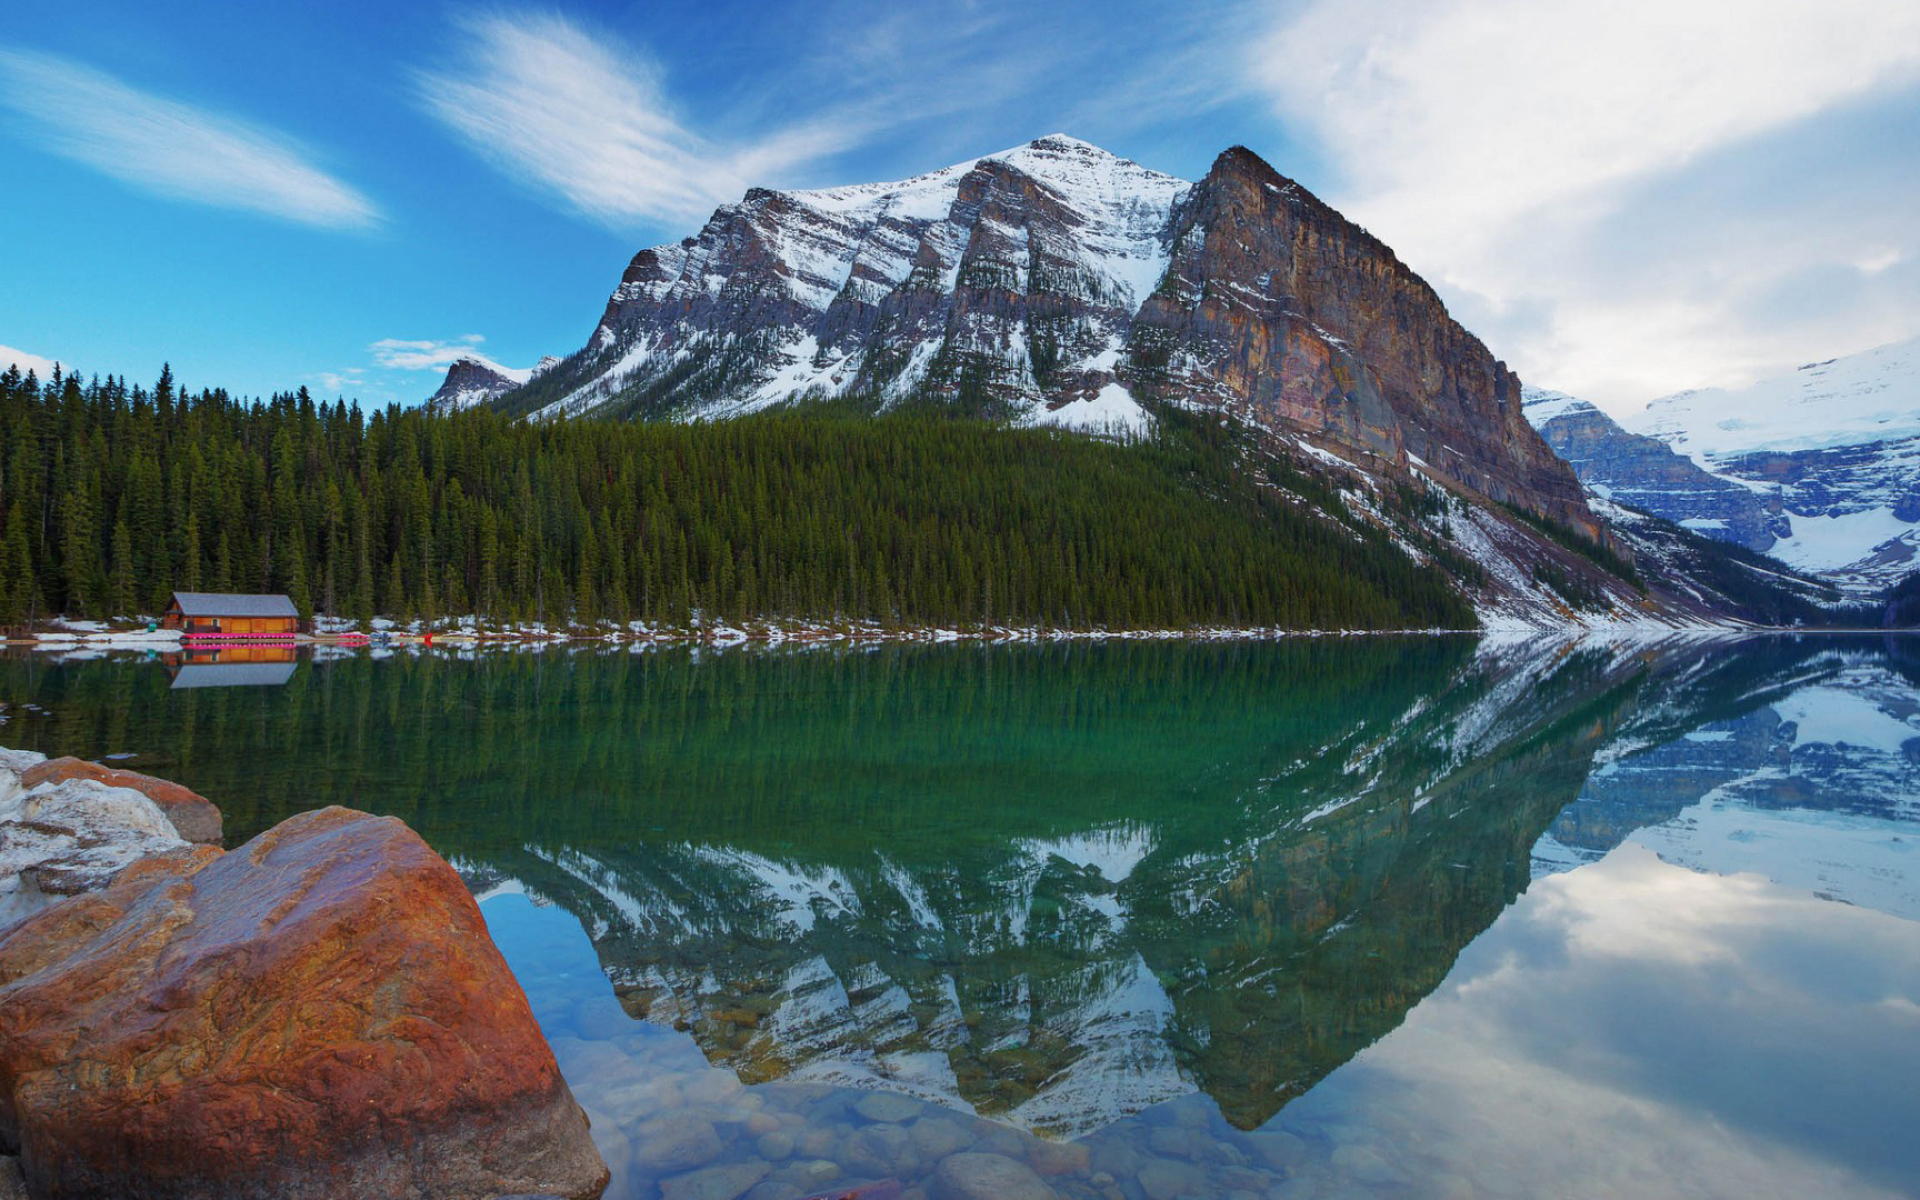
<point>1056,283</point>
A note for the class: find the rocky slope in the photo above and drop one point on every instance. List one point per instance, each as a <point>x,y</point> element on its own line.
<point>1719,577</point>
<point>1056,283</point>
<point>1820,468</point>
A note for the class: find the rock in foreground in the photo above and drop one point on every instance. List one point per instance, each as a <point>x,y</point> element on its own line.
<point>194,817</point>
<point>319,1013</point>
<point>60,836</point>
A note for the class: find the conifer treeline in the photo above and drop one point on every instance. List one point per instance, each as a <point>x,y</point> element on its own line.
<point>111,497</point>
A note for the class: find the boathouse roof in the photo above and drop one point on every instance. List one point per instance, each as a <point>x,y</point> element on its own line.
<point>231,604</point>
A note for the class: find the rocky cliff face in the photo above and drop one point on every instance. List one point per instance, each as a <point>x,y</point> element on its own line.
<point>1276,306</point>
<point>1056,283</point>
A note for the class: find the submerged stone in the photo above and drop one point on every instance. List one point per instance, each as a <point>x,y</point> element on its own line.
<point>676,1142</point>
<point>1164,1179</point>
<point>889,1107</point>
<point>977,1176</point>
<point>725,1182</point>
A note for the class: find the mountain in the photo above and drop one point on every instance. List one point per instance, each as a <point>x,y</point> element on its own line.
<point>1820,468</point>
<point>473,381</point>
<point>1648,474</point>
<point>1055,283</point>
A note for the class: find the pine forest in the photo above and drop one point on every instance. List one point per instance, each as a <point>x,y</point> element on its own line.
<point>113,496</point>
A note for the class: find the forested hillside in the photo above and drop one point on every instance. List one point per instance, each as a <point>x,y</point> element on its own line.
<point>113,496</point>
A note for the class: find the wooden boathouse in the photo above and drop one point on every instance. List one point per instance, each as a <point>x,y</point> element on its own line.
<point>231,615</point>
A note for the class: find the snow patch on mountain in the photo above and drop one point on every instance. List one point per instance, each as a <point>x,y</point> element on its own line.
<point>1124,205</point>
<point>1832,544</point>
<point>1112,411</point>
<point>1869,397</point>
<point>1543,404</point>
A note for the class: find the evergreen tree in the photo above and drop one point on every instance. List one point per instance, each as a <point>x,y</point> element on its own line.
<point>120,580</point>
<point>19,588</point>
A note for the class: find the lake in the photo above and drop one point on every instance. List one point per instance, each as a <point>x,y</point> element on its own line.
<point>1336,917</point>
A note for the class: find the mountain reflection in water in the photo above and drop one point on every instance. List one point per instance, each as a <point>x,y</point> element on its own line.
<point>1394,916</point>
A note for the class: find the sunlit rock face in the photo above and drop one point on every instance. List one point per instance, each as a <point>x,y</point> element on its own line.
<point>1276,305</point>
<point>318,1013</point>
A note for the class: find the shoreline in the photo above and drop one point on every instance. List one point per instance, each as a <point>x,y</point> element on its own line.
<point>467,632</point>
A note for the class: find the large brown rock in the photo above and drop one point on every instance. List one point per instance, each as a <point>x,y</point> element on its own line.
<point>319,1013</point>
<point>195,817</point>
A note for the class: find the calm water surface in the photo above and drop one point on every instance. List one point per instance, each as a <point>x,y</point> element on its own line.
<point>1318,919</point>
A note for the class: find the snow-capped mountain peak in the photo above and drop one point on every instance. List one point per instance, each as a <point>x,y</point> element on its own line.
<point>1054,283</point>
<point>1819,467</point>
<point>474,379</point>
<point>1873,396</point>
<point>1544,404</point>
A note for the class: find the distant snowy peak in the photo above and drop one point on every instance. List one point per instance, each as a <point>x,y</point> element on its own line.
<point>1873,396</point>
<point>1544,404</point>
<point>1820,467</point>
<point>472,380</point>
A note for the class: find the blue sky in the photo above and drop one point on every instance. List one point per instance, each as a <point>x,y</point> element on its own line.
<point>1623,199</point>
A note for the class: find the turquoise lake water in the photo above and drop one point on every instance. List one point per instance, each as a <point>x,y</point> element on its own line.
<point>1317,918</point>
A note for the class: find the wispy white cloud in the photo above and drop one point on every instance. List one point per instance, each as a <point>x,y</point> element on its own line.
<point>40,366</point>
<point>1492,142</point>
<point>426,354</point>
<point>171,148</point>
<point>352,379</point>
<point>586,118</point>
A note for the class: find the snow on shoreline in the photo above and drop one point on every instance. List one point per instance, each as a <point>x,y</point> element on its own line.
<point>469,633</point>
